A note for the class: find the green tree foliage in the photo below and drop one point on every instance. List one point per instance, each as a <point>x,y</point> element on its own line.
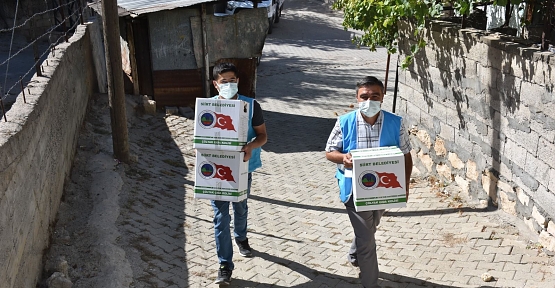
<point>378,20</point>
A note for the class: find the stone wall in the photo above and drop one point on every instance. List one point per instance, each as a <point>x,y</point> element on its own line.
<point>482,111</point>
<point>37,145</point>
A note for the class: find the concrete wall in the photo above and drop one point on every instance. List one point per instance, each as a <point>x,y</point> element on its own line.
<point>483,115</point>
<point>37,145</point>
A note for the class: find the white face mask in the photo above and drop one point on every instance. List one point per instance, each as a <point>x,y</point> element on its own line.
<point>369,108</point>
<point>228,90</point>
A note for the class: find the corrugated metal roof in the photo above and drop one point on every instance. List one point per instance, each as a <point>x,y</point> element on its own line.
<point>136,7</point>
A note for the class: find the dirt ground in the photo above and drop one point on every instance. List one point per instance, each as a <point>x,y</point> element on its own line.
<point>84,237</point>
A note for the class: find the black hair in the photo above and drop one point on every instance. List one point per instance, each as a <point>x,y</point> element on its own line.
<point>221,68</point>
<point>369,81</point>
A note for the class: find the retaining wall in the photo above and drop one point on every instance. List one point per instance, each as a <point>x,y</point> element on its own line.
<point>37,145</point>
<point>482,109</point>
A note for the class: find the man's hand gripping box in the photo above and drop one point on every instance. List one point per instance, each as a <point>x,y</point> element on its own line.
<point>378,178</point>
<point>221,175</point>
<point>221,124</point>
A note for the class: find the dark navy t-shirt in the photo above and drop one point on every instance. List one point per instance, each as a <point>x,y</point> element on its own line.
<point>257,117</point>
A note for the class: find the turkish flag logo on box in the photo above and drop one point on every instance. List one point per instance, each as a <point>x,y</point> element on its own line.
<point>378,178</point>
<point>221,124</point>
<point>221,175</point>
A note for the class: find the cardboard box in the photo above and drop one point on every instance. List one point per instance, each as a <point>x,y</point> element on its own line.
<point>378,178</point>
<point>221,124</point>
<point>221,175</point>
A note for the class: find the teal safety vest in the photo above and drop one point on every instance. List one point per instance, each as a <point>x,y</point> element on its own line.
<point>254,162</point>
<point>389,136</point>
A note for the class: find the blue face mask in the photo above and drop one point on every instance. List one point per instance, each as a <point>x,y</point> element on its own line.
<point>369,108</point>
<point>228,90</point>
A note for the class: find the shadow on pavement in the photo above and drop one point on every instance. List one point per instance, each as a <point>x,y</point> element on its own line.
<point>297,205</point>
<point>324,279</point>
<point>317,32</point>
<point>152,218</point>
<point>304,55</point>
<point>296,133</point>
<point>435,212</point>
<point>308,82</point>
<point>404,281</point>
<point>317,278</point>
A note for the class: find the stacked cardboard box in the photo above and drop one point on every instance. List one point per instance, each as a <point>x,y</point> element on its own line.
<point>221,128</point>
<point>378,178</point>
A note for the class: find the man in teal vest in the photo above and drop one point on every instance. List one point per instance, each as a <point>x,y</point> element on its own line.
<point>225,81</point>
<point>366,127</point>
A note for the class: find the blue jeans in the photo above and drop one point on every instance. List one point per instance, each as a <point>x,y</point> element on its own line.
<point>224,247</point>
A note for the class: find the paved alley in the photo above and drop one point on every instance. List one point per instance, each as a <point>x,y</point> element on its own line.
<point>297,225</point>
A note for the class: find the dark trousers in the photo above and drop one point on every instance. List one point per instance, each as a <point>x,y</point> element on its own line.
<point>363,247</point>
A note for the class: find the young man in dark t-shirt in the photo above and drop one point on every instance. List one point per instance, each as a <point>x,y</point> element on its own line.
<point>226,81</point>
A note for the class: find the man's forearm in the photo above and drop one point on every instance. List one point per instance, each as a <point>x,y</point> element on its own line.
<point>259,141</point>
<point>335,157</point>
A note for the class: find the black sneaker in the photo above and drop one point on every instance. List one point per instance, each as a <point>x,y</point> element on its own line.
<point>244,248</point>
<point>224,275</point>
